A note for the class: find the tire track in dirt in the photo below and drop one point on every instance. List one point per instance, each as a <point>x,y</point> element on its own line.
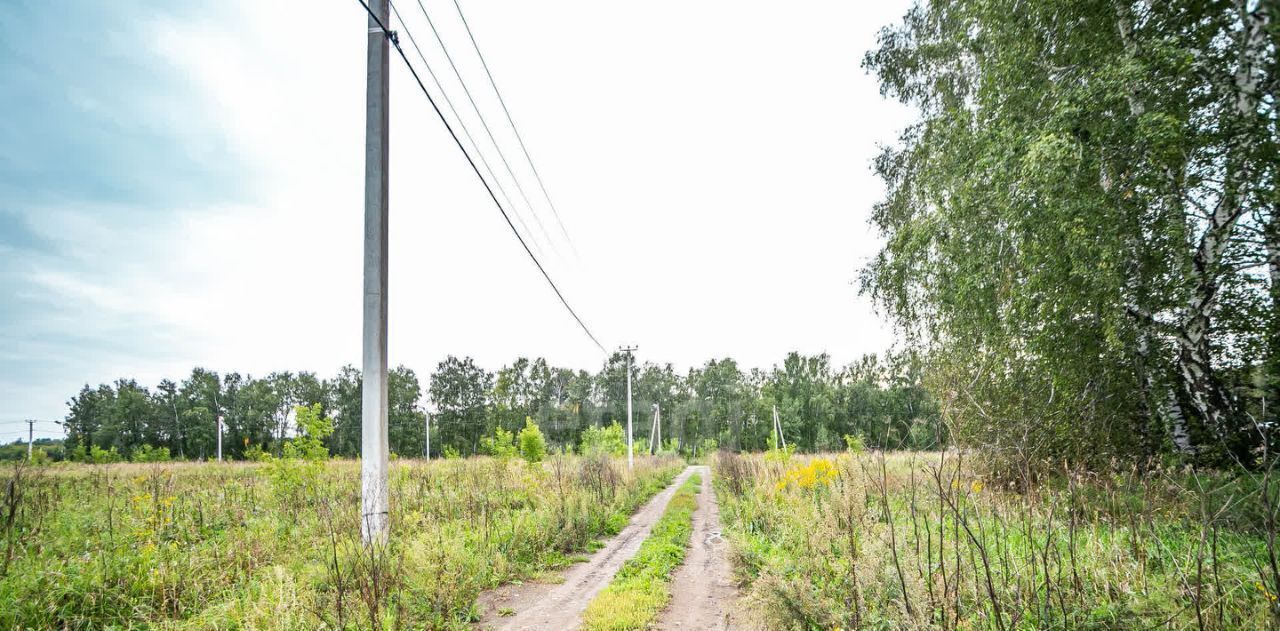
<point>541,606</point>
<point>703,596</point>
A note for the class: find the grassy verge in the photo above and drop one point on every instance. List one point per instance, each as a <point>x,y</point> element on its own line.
<point>206,546</point>
<point>642,587</point>
<point>927,541</point>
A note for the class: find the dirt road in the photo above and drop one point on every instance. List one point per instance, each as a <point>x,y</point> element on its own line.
<point>703,596</point>
<point>539,607</point>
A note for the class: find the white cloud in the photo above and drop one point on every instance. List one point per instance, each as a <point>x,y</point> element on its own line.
<point>710,159</point>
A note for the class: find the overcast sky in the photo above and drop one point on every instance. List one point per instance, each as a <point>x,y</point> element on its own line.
<point>181,185</point>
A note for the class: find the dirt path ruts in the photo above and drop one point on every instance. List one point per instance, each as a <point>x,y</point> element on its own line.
<point>703,596</point>
<point>540,606</point>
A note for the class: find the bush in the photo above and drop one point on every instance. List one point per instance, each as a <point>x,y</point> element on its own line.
<point>255,453</point>
<point>776,454</point>
<point>669,447</point>
<point>147,453</point>
<point>854,443</point>
<point>609,440</point>
<point>502,445</point>
<point>313,428</point>
<point>533,447</point>
<point>300,462</point>
<point>96,455</point>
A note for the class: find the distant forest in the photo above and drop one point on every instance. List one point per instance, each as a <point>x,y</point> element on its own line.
<point>719,403</point>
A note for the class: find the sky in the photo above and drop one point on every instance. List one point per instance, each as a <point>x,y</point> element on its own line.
<point>181,184</point>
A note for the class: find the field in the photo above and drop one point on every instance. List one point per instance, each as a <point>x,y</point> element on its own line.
<point>830,541</point>
<point>218,546</point>
<point>929,541</point>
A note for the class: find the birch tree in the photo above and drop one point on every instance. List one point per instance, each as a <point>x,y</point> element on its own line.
<point>1080,228</point>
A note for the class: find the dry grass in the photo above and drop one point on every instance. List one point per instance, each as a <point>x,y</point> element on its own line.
<point>930,541</point>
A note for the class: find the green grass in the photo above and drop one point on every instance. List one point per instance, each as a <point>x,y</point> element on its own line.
<point>641,588</point>
<point>233,546</point>
<point>900,548</point>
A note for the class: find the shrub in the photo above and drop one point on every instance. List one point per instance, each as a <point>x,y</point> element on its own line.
<point>669,447</point>
<point>502,445</point>
<point>533,447</point>
<point>609,440</point>
<point>147,453</point>
<point>255,453</point>
<point>96,455</point>
<point>854,443</point>
<point>300,463</point>
<point>782,455</point>
<point>313,428</point>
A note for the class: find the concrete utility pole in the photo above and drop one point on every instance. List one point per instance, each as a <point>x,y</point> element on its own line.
<point>426,431</point>
<point>373,421</point>
<point>630,451</point>
<point>650,431</point>
<point>655,430</point>
<point>31,437</point>
<point>779,441</point>
<point>217,409</point>
<point>657,422</point>
<point>177,427</point>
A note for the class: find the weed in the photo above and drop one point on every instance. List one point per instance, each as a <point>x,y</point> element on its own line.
<point>203,546</point>
<point>933,541</point>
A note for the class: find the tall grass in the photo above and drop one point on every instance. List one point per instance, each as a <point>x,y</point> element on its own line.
<point>930,541</point>
<point>208,546</point>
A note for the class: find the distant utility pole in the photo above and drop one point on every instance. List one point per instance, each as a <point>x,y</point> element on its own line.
<point>177,427</point>
<point>426,430</point>
<point>658,412</point>
<point>630,451</point>
<point>219,438</point>
<point>31,437</point>
<point>373,421</point>
<point>655,431</point>
<point>779,441</point>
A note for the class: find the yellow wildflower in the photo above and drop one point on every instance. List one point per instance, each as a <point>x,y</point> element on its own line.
<point>819,472</point>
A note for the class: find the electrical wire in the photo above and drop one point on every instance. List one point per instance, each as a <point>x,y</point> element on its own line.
<point>396,44</point>
<point>465,131</point>
<point>485,124</point>
<point>519,138</point>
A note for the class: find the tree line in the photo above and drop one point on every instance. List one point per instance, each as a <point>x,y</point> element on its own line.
<point>719,403</point>
<point>1082,230</point>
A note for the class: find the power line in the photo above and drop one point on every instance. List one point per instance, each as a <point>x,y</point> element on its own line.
<point>532,166</point>
<point>396,44</point>
<point>485,124</point>
<point>461,123</point>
